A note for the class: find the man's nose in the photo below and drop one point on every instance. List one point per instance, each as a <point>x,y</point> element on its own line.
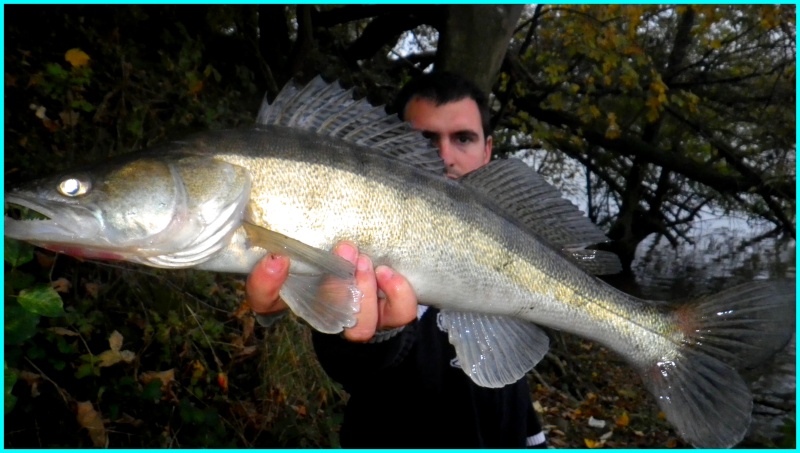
<point>445,151</point>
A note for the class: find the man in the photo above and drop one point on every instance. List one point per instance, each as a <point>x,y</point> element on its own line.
<point>406,387</point>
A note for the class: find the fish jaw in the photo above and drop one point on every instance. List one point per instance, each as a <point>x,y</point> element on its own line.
<point>72,229</point>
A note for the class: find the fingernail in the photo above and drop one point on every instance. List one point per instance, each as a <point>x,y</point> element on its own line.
<point>274,264</point>
<point>364,263</point>
<point>346,251</point>
<point>384,272</point>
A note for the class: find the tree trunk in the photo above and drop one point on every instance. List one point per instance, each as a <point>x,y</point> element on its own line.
<point>474,39</point>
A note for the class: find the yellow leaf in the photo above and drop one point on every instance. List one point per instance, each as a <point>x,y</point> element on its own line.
<point>69,118</point>
<point>613,131</point>
<point>77,58</point>
<point>115,341</point>
<point>109,358</point>
<point>61,285</point>
<point>93,422</point>
<point>198,370</point>
<point>593,443</point>
<point>92,289</point>
<point>164,376</point>
<point>623,420</point>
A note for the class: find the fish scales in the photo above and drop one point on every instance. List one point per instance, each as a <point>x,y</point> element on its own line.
<point>397,218</point>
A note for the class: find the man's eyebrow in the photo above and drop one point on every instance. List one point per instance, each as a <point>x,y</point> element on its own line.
<point>467,132</point>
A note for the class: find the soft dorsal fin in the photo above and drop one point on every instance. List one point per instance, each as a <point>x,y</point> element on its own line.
<point>524,194</point>
<point>328,109</point>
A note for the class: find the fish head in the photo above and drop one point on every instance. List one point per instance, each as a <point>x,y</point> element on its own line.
<point>161,209</point>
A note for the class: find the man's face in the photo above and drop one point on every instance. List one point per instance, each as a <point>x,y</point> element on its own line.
<point>455,128</point>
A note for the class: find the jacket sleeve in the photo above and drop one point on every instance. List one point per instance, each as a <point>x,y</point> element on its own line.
<point>350,363</point>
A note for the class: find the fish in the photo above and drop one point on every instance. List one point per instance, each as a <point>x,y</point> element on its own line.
<point>499,251</point>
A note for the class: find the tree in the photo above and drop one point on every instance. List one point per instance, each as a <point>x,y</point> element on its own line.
<point>670,109</point>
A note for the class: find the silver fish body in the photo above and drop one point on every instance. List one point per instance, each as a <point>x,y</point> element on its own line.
<point>319,169</point>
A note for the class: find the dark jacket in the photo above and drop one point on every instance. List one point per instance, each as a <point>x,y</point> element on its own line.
<point>408,391</point>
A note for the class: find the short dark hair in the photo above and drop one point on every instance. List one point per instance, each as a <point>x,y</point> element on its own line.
<point>443,87</point>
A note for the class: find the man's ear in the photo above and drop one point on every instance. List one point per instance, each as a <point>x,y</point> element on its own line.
<point>487,150</point>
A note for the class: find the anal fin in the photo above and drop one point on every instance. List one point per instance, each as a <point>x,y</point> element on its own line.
<point>493,350</point>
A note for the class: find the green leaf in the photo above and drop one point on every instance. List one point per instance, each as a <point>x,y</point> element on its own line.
<point>17,252</point>
<point>84,370</point>
<point>42,300</point>
<point>20,324</point>
<point>16,280</point>
<point>10,379</point>
<point>152,390</point>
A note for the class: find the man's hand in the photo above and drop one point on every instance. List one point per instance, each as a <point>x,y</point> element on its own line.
<point>398,308</point>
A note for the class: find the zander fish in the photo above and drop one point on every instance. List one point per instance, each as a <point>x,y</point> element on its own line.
<point>498,251</point>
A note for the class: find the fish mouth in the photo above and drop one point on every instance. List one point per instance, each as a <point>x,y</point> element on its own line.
<point>43,222</point>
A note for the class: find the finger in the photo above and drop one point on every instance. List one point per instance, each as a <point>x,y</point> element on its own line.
<point>367,316</point>
<point>264,284</point>
<point>400,305</point>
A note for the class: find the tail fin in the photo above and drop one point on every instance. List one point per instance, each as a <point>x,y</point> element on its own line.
<point>698,388</point>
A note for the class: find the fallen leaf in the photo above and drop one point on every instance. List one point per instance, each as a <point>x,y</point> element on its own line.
<point>77,58</point>
<point>243,310</point>
<point>114,355</point>
<point>39,111</point>
<point>164,376</point>
<point>127,356</point>
<point>93,422</point>
<point>115,341</point>
<point>248,325</point>
<point>109,358</point>
<point>222,381</point>
<point>62,285</point>
<point>198,370</point>
<point>33,380</point>
<point>593,443</point>
<point>247,351</point>
<point>672,443</point>
<point>69,118</point>
<point>64,332</point>
<point>92,289</point>
<point>623,420</point>
<point>129,420</point>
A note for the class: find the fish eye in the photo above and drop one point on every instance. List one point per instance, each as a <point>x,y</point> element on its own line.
<point>73,187</point>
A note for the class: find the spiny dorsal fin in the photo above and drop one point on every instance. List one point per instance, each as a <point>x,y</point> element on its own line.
<point>328,109</point>
<point>524,194</point>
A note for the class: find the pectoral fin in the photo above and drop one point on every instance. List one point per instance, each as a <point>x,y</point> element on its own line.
<point>494,350</point>
<point>321,286</point>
